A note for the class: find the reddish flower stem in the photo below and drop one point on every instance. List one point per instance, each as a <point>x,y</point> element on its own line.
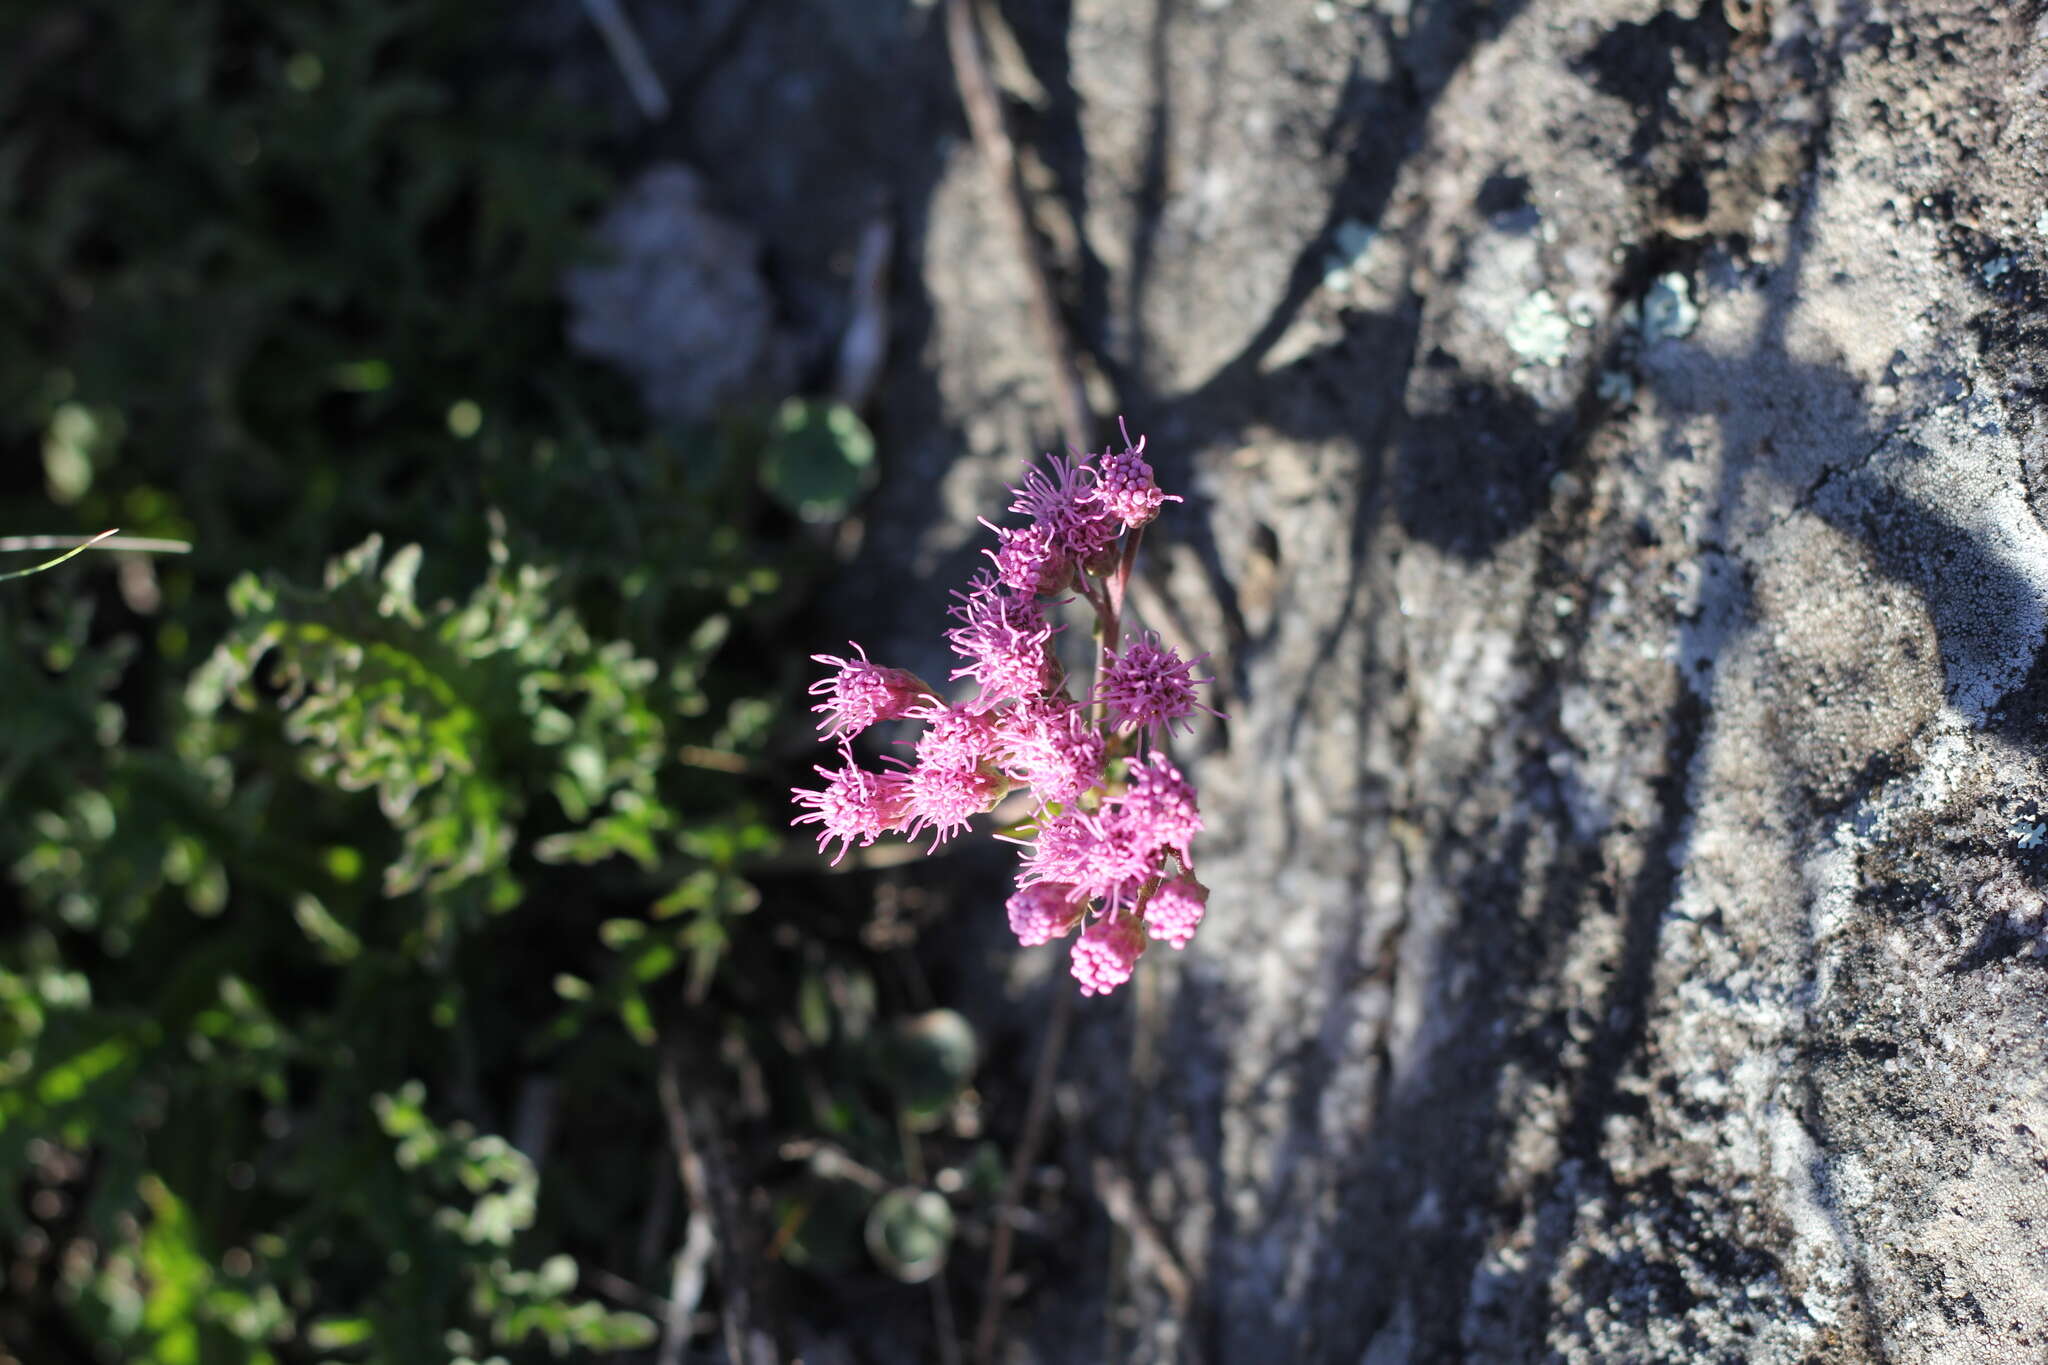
<point>1109,609</point>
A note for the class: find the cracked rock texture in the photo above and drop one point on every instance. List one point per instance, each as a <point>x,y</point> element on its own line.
<point>1615,449</point>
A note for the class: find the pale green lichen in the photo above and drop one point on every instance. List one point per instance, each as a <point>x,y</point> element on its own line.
<point>1668,309</point>
<point>1540,333</point>
<point>1348,243</point>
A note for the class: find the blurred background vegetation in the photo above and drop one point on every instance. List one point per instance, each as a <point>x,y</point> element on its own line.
<point>399,955</point>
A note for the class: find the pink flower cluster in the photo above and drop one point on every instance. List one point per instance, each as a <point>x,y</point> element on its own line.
<point>1111,821</point>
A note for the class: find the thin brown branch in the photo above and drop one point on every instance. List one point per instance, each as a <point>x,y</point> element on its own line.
<point>713,1217</point>
<point>1022,1160</point>
<point>983,102</point>
<point>864,345</point>
<point>660,1215</point>
<point>622,1290</point>
<point>1120,1201</point>
<point>630,55</point>
<point>803,861</point>
<point>942,1321</point>
<point>830,1160</point>
<point>717,760</point>
<point>686,1290</point>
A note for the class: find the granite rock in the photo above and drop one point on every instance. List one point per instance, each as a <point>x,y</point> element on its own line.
<point>1615,432</point>
<point>1612,431</point>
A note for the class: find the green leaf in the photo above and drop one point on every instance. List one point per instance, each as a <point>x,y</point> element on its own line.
<point>179,1276</point>
<point>335,940</point>
<point>909,1233</point>
<point>457,716</point>
<point>820,459</point>
<point>822,1222</point>
<point>638,1019</point>
<point>334,1334</point>
<point>928,1060</point>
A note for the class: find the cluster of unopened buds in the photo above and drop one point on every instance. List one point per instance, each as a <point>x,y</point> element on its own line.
<point>1107,841</point>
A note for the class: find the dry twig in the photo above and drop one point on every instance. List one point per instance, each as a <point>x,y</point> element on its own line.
<point>832,1162</point>
<point>631,57</point>
<point>1121,1202</point>
<point>1021,1162</point>
<point>865,344</point>
<point>714,1224</point>
<point>983,102</point>
<point>619,1288</point>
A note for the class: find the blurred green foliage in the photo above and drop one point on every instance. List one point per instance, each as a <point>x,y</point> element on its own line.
<point>343,925</point>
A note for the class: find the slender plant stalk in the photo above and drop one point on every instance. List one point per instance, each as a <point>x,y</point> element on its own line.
<point>631,56</point>
<point>982,100</point>
<point>105,540</point>
<point>78,548</point>
<point>77,545</point>
<point>1121,579</point>
<point>714,1218</point>
<point>1021,1162</point>
<point>985,117</point>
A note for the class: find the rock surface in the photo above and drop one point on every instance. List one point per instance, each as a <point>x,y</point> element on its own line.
<point>676,299</point>
<point>1614,438</point>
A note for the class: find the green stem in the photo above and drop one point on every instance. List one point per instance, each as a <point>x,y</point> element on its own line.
<point>105,540</point>
<point>78,549</point>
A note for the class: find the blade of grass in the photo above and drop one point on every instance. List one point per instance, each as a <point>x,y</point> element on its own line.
<point>105,540</point>
<point>77,549</point>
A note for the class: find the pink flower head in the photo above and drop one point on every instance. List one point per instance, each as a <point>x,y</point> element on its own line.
<point>1124,486</point>
<point>1065,506</point>
<point>1003,636</point>
<point>854,804</point>
<point>1042,913</point>
<point>956,737</point>
<point>1175,910</point>
<point>1048,743</point>
<point>1158,809</point>
<point>859,693</point>
<point>1091,856</point>
<point>1149,685</point>
<point>1031,560</point>
<point>942,798</point>
<point>1109,857</point>
<point>1106,954</point>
